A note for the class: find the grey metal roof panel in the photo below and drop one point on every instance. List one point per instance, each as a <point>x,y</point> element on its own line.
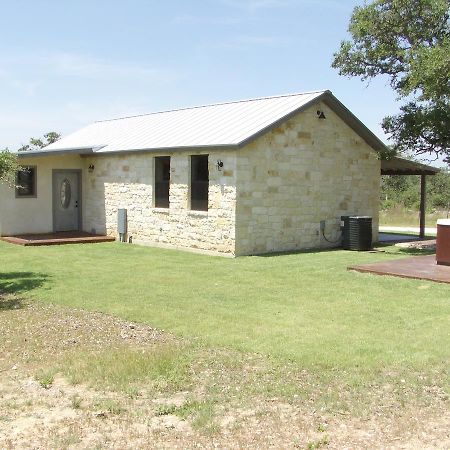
<point>225,124</point>
<point>232,125</point>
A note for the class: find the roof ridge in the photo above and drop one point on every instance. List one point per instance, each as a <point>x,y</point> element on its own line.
<point>215,104</point>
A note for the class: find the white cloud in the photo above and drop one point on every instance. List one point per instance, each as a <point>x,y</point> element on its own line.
<point>188,19</point>
<point>248,42</point>
<point>17,126</point>
<point>260,40</point>
<point>63,91</point>
<point>243,6</point>
<point>27,88</point>
<point>255,5</point>
<point>78,65</point>
<point>88,67</point>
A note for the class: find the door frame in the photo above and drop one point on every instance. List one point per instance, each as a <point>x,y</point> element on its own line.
<point>78,172</point>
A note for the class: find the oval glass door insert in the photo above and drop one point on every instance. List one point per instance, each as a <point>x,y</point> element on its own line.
<point>65,193</point>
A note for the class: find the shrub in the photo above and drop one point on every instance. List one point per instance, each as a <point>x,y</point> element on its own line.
<point>9,166</point>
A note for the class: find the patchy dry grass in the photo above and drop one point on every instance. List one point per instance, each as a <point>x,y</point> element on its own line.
<point>75,379</point>
<point>45,378</point>
<point>402,217</point>
<point>160,368</point>
<point>284,351</point>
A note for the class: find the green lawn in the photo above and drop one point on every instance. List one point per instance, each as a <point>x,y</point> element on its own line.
<point>305,308</point>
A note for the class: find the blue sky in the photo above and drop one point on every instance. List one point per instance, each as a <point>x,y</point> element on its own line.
<point>66,63</point>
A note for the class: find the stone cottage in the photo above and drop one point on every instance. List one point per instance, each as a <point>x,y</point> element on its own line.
<point>237,178</point>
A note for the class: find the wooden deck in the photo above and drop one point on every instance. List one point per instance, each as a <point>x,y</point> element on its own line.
<point>61,238</point>
<point>417,267</point>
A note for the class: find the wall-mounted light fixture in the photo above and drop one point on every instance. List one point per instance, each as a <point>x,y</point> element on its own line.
<point>320,114</point>
<point>219,165</point>
<point>91,168</point>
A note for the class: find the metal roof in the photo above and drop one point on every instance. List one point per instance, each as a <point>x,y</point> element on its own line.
<point>231,124</point>
<point>400,166</point>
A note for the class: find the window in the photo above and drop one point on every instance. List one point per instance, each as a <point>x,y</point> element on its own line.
<point>199,182</point>
<point>162,181</point>
<point>26,182</point>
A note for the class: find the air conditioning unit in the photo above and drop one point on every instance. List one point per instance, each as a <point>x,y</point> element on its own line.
<point>356,232</point>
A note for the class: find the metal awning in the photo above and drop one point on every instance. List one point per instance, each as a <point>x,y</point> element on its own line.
<point>401,166</point>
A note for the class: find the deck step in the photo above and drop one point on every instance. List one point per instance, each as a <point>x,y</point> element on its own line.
<point>33,240</point>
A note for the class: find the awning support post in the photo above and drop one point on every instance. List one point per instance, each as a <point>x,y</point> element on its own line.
<point>423,199</point>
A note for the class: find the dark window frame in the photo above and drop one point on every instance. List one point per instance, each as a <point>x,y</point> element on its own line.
<point>162,185</point>
<point>34,183</point>
<point>199,182</point>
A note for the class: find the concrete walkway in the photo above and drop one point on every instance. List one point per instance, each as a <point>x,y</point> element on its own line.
<point>396,237</point>
<point>428,230</point>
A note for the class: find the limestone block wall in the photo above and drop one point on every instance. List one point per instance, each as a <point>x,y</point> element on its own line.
<point>127,181</point>
<point>302,172</point>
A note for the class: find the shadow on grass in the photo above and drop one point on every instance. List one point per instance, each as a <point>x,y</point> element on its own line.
<point>389,248</point>
<point>416,251</point>
<point>20,282</point>
<point>297,252</point>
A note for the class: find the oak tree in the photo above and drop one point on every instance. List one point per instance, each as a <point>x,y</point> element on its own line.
<point>409,42</point>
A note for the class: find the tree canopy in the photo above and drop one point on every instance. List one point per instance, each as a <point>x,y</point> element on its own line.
<point>409,42</point>
<point>404,191</point>
<point>9,164</point>
<point>38,143</point>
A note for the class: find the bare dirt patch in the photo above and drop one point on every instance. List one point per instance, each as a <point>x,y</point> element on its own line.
<point>227,401</point>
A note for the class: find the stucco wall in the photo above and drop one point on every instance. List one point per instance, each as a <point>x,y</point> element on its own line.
<point>127,181</point>
<point>302,172</point>
<point>34,215</point>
